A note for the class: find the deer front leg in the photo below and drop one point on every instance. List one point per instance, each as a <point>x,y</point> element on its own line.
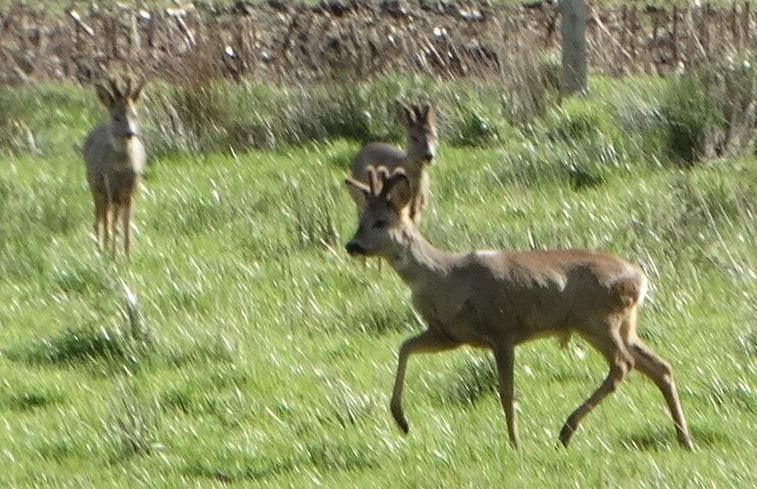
<point>111,218</point>
<point>427,342</point>
<point>126,224</point>
<point>100,226</point>
<point>505,359</point>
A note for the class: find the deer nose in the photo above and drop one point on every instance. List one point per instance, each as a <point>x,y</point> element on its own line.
<point>354,248</point>
<point>428,156</point>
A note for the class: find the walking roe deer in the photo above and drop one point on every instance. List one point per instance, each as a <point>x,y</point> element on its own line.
<point>498,299</point>
<point>115,157</point>
<point>420,124</point>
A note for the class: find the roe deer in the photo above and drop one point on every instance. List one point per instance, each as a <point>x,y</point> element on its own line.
<point>498,299</point>
<point>420,124</point>
<point>115,158</point>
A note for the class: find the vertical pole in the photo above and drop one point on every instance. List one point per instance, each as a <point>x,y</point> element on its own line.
<point>745,26</point>
<point>135,44</point>
<point>573,29</point>
<point>675,33</point>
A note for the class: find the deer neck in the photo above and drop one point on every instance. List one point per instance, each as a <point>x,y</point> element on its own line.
<point>419,261</point>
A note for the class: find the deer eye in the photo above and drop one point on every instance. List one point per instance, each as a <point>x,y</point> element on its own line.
<point>380,224</point>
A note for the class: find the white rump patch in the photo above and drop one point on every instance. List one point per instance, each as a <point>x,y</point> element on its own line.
<point>487,253</point>
<point>644,288</point>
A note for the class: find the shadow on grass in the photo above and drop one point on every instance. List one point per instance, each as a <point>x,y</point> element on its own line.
<point>89,344</point>
<point>260,468</point>
<point>72,346</point>
<point>664,440</point>
<point>649,441</point>
<point>473,381</point>
<point>31,398</point>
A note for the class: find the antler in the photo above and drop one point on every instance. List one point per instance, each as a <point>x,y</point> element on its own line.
<point>134,85</point>
<point>129,82</point>
<point>137,88</point>
<point>419,112</point>
<point>373,183</point>
<point>128,87</point>
<point>381,181</point>
<point>114,90</point>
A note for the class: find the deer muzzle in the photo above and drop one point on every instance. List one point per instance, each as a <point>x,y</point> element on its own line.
<point>354,249</point>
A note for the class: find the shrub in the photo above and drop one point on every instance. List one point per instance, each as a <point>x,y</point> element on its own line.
<point>223,115</point>
<point>711,111</point>
<point>133,425</point>
<point>15,134</point>
<point>533,86</point>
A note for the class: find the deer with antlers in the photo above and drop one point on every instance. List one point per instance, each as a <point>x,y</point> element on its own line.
<point>115,157</point>
<point>499,299</point>
<point>420,126</point>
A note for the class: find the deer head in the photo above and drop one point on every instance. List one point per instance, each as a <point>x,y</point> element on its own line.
<point>420,123</point>
<point>385,220</point>
<point>120,100</point>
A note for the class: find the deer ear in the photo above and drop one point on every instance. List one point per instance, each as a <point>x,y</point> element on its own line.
<point>360,186</point>
<point>429,116</point>
<point>406,114</point>
<point>136,90</point>
<point>397,190</point>
<point>134,86</point>
<point>115,90</point>
<point>104,95</point>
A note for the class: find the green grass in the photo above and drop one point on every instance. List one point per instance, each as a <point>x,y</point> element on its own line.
<point>265,356</point>
<point>168,3</point>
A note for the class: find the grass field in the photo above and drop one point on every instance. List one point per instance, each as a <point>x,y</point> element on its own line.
<point>264,356</point>
<point>171,3</point>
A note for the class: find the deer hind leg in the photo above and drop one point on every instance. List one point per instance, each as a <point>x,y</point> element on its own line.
<point>659,372</point>
<point>427,342</point>
<point>505,358</point>
<point>115,211</point>
<point>108,218</point>
<point>621,362</point>
<point>100,226</point>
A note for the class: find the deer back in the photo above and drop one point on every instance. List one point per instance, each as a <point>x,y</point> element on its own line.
<point>484,296</point>
<point>420,126</point>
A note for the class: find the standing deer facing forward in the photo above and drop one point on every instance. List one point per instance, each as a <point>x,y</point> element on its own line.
<point>115,158</point>
<point>420,124</point>
<point>498,299</point>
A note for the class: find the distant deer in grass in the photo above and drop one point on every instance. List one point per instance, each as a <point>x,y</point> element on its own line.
<point>115,157</point>
<point>498,299</point>
<point>420,125</point>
